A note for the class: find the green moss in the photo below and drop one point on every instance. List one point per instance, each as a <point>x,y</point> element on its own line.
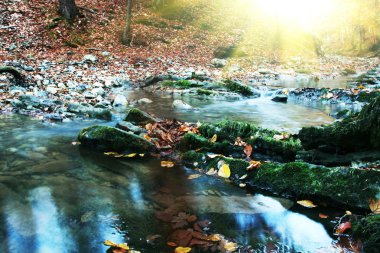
<point>368,231</point>
<point>261,139</point>
<point>139,117</point>
<point>238,88</point>
<point>113,139</point>
<point>204,92</point>
<point>181,84</point>
<point>367,96</point>
<point>192,141</point>
<point>100,113</point>
<point>355,133</point>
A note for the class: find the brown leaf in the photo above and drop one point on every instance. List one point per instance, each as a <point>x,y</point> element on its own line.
<point>164,216</point>
<point>248,150</point>
<point>374,206</point>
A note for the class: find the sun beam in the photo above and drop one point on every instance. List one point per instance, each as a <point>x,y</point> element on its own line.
<point>307,14</point>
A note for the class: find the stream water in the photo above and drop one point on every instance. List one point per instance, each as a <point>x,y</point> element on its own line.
<point>57,197</point>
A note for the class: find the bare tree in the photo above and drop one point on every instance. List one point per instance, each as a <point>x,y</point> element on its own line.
<point>68,9</point>
<point>127,29</point>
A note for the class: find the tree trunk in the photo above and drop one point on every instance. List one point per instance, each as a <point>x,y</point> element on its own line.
<point>127,29</point>
<point>6,69</point>
<point>68,9</point>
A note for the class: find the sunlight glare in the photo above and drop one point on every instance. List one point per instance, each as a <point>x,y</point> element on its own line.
<point>308,14</point>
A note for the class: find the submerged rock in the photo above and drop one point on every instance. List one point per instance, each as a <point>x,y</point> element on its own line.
<point>113,139</point>
<point>179,104</point>
<point>139,117</point>
<point>280,98</point>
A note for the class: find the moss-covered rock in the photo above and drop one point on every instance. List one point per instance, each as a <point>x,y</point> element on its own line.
<point>262,140</point>
<point>129,127</point>
<point>181,84</point>
<point>343,186</point>
<point>238,88</point>
<point>204,92</point>
<point>355,133</point>
<point>112,139</point>
<point>368,231</point>
<point>139,117</point>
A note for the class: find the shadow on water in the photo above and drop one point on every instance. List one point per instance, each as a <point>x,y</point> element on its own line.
<point>57,197</point>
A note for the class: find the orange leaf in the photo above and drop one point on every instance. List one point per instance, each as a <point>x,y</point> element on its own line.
<point>323,216</point>
<point>343,227</point>
<point>254,165</point>
<point>248,150</point>
<point>374,206</point>
<point>167,164</point>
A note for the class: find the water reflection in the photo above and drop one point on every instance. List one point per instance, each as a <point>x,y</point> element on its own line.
<point>74,209</point>
<point>51,235</point>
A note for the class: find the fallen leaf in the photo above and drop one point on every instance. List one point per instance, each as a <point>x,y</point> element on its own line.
<point>194,176</point>
<point>172,244</point>
<point>230,246</point>
<point>211,172</point>
<point>224,171</point>
<point>131,155</point>
<point>214,237</point>
<point>248,150</point>
<point>184,128</point>
<point>306,203</point>
<point>242,185</point>
<point>374,206</point>
<point>151,238</point>
<point>254,165</point>
<point>214,138</point>
<point>192,218</point>
<point>212,156</point>
<point>149,127</point>
<point>167,164</point>
<point>323,216</point>
<point>111,153</point>
<point>343,227</point>
<point>147,137</point>
<point>182,250</point>
<point>243,177</point>
<point>348,213</point>
<point>123,246</point>
<point>239,142</point>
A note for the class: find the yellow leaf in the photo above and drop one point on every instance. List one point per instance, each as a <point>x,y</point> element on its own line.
<point>224,171</point>
<point>194,176</point>
<point>131,155</point>
<point>149,127</point>
<point>214,237</point>
<point>182,250</point>
<point>147,137</point>
<point>111,153</point>
<point>214,138</point>
<point>211,172</point>
<point>230,246</point>
<point>112,244</point>
<point>242,185</point>
<point>168,164</point>
<point>254,165</point>
<point>348,213</point>
<point>141,155</point>
<point>374,206</point>
<point>306,203</point>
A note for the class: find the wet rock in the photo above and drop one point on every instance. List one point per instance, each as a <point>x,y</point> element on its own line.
<point>280,98</point>
<point>144,101</point>
<point>112,139</point>
<point>98,91</point>
<point>329,159</point>
<point>120,101</point>
<point>219,63</point>
<point>239,88</point>
<point>139,117</point>
<point>355,133</point>
<point>90,58</point>
<point>129,127</point>
<point>56,166</point>
<point>53,117</point>
<point>179,104</point>
<point>52,89</point>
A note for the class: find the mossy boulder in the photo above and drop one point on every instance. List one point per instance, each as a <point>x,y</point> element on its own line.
<point>139,117</point>
<point>262,140</point>
<point>356,133</point>
<point>107,138</point>
<point>350,187</point>
<point>367,230</point>
<point>129,127</point>
<point>238,88</point>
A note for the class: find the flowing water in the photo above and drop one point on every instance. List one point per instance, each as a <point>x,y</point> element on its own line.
<point>261,111</point>
<point>58,197</point>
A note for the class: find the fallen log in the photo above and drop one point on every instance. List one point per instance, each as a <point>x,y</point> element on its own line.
<point>13,71</point>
